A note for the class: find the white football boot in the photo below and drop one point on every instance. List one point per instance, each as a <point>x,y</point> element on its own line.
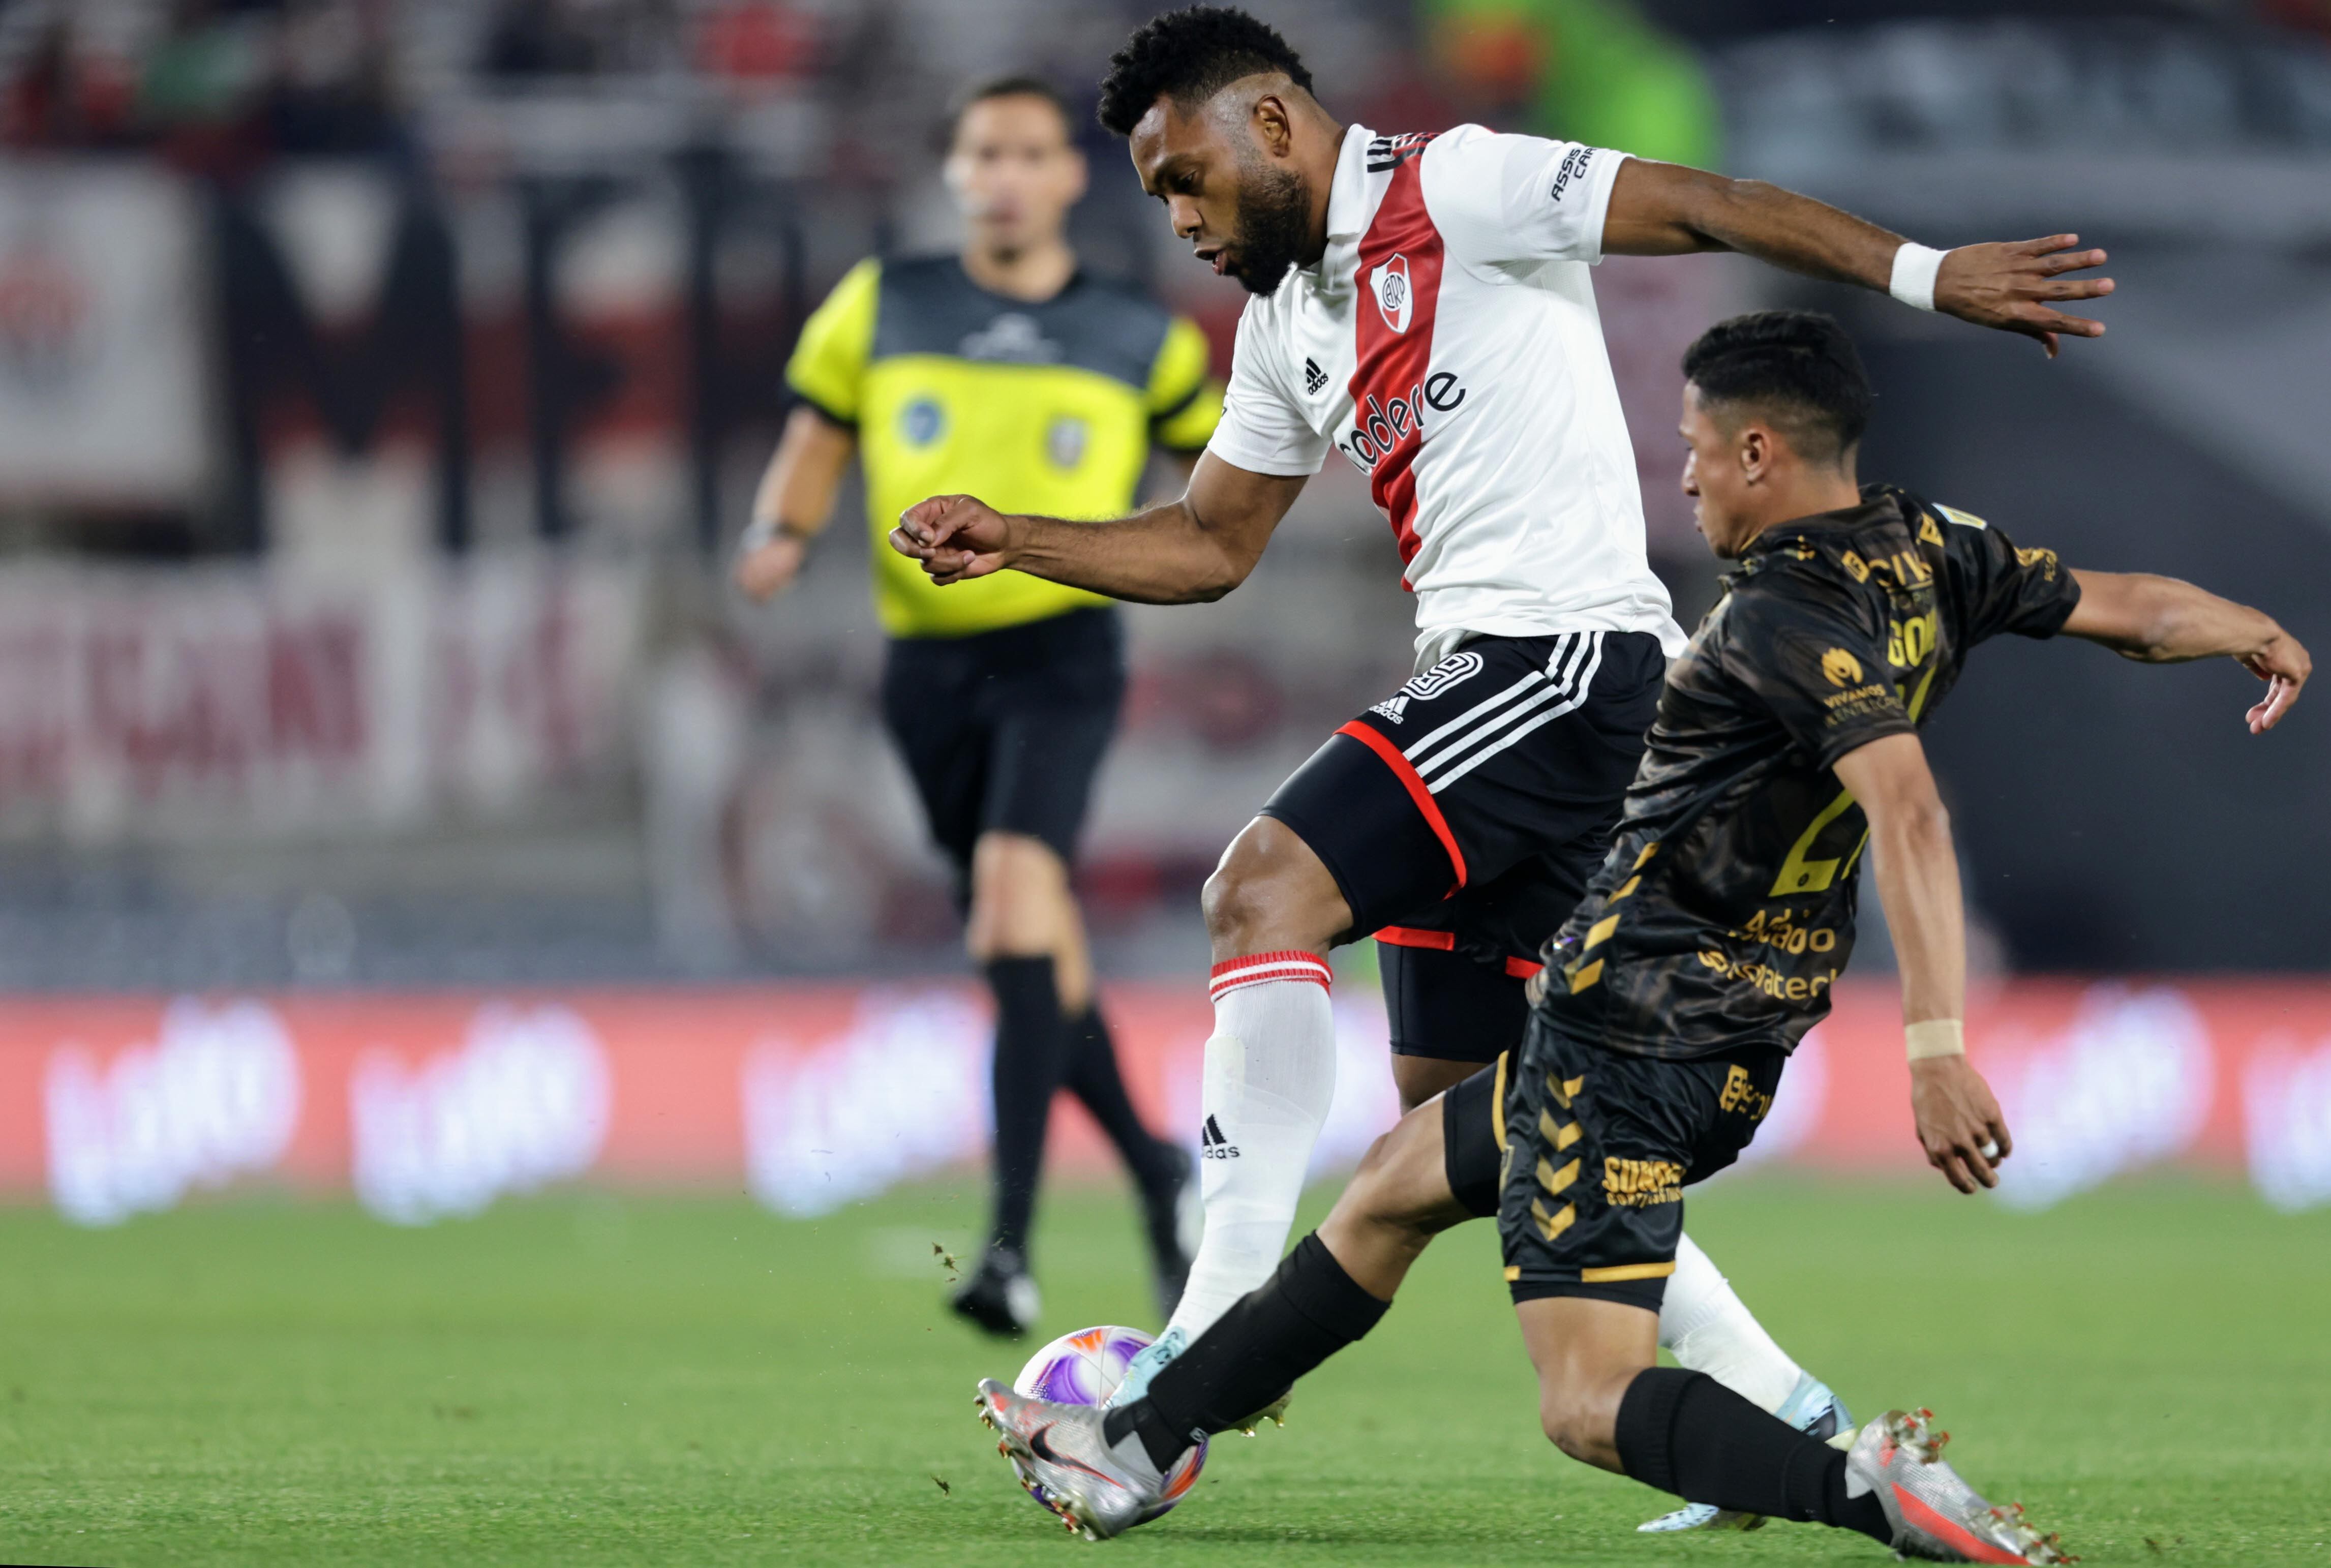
<point>1064,1459</point>
<point>1936,1514</point>
<point>1810,1407</point>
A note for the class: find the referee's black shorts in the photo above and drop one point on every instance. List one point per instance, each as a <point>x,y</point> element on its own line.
<point>1463,816</point>
<point>1002,731</point>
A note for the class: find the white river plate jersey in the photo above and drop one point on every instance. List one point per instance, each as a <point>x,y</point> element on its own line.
<point>1447,343</point>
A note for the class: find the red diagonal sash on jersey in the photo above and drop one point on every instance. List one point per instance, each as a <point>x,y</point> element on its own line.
<point>1400,289</point>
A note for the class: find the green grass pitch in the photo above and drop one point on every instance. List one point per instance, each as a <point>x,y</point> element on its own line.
<point>585,1379</point>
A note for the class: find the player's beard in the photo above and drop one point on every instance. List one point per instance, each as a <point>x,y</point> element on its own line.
<point>1274,215</point>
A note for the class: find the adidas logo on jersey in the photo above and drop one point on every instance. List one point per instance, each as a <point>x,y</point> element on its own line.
<point>1213,1146</point>
<point>1314,378</point>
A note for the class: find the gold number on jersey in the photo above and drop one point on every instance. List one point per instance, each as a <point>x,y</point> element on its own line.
<point>1799,875</point>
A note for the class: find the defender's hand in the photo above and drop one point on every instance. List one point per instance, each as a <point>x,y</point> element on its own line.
<point>2014,287</point>
<point>1957,1118</point>
<point>2284,665</point>
<point>955,537</point>
<point>770,568</point>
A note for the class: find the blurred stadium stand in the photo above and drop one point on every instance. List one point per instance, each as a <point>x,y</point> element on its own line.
<point>381,383</point>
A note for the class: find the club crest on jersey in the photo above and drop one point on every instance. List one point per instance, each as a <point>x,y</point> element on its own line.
<point>1389,283</point>
<point>1064,440</point>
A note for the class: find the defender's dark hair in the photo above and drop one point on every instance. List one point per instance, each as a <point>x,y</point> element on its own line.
<point>1797,368</point>
<point>1189,56</point>
<point>1016,86</point>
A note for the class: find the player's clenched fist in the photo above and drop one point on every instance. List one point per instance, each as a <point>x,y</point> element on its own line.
<point>955,537</point>
<point>1959,1121</point>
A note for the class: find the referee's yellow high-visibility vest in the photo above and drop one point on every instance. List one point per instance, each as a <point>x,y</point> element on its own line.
<point>1050,407</point>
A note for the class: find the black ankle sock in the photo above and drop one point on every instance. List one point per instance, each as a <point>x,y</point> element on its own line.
<point>1092,1077</point>
<point>1031,1045</point>
<point>1685,1432</point>
<point>1303,1314</point>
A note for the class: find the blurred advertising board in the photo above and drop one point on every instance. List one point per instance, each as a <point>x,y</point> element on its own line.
<point>102,363</point>
<point>275,700</point>
<point>813,1097</point>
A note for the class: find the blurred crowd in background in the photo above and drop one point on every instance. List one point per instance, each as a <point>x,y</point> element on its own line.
<point>382,383</point>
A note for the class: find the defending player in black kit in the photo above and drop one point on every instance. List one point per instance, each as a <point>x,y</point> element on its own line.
<point>1786,745</point>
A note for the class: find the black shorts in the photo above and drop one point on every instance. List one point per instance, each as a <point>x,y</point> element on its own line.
<point>1594,1151</point>
<point>1444,1004</point>
<point>1005,730</point>
<point>1463,815</point>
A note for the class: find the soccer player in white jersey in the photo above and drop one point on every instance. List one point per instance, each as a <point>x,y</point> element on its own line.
<point>1424,304</point>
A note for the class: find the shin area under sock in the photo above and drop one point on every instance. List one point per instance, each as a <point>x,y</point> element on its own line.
<point>1709,1329</point>
<point>1031,1042</point>
<point>1686,1433</point>
<point>1270,1076</point>
<point>1091,1075</point>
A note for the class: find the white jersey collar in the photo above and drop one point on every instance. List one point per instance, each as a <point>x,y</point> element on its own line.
<point>1347,214</point>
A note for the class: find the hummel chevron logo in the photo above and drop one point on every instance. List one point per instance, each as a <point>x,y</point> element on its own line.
<point>1314,378</point>
<point>1213,1146</point>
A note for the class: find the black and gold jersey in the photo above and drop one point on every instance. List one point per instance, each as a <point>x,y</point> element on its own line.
<point>1724,910</point>
<point>1048,406</point>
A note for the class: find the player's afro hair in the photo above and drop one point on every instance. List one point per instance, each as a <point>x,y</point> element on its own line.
<point>1189,56</point>
<point>1797,367</point>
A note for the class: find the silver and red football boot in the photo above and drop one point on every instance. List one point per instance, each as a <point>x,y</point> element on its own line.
<point>1936,1514</point>
<point>1066,1462</point>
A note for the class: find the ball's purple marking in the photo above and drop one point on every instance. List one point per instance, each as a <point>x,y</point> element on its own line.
<point>1075,1375</point>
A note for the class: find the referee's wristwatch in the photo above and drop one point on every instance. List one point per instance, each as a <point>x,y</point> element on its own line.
<point>762,531</point>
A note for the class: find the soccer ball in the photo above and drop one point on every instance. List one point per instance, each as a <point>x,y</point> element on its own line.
<point>1084,1368</point>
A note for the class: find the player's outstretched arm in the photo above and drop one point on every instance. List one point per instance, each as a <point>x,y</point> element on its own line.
<point>2163,621</point>
<point>794,502</point>
<point>1187,551</point>
<point>1667,210</point>
<point>1959,1121</point>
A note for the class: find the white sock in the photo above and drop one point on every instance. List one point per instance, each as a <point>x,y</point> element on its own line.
<point>1270,1073</point>
<point>1709,1329</point>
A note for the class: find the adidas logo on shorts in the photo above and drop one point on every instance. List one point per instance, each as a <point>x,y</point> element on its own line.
<point>1314,378</point>
<point>1213,1146</point>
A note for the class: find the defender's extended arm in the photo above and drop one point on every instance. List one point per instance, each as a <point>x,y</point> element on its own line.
<point>2163,621</point>
<point>1667,210</point>
<point>1190,550</point>
<point>1959,1121</point>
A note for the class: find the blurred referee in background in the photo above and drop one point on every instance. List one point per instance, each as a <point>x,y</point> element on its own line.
<point>1006,371</point>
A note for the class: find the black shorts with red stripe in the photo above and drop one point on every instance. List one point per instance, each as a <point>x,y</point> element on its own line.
<point>1463,816</point>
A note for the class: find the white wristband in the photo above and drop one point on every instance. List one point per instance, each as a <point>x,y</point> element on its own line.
<point>1934,1037</point>
<point>1914,267</point>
